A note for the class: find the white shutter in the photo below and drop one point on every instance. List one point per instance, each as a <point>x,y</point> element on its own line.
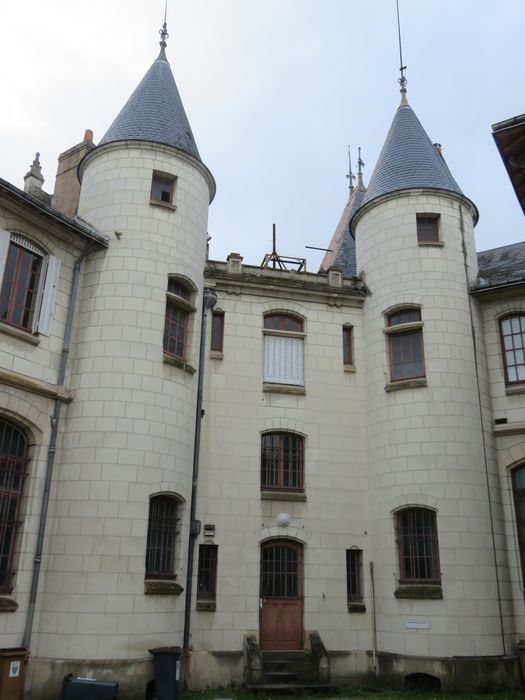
<point>43,324</point>
<point>5,239</point>
<point>283,360</point>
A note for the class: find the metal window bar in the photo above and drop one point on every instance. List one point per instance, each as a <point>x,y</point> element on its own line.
<point>280,569</point>
<point>13,472</point>
<point>282,461</point>
<point>207,572</point>
<point>354,565</point>
<point>160,548</point>
<point>418,546</point>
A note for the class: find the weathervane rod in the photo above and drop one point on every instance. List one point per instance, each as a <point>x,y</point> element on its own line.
<point>164,31</point>
<point>350,177</point>
<point>402,68</point>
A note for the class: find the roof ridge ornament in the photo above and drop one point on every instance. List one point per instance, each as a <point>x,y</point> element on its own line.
<point>402,80</point>
<point>360,166</point>
<point>164,31</point>
<point>350,175</point>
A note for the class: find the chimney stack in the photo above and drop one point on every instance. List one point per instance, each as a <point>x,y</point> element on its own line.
<point>67,186</point>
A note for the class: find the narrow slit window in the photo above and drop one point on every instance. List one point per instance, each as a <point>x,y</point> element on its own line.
<point>348,350</point>
<point>207,572</point>
<point>354,575</point>
<point>217,331</point>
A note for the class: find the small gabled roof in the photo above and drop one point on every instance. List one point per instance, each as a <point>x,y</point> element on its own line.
<point>408,159</point>
<point>341,251</point>
<point>155,112</point>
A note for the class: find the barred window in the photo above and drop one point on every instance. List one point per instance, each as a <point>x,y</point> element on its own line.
<point>417,546</point>
<point>354,575</point>
<point>282,461</point>
<point>13,472</point>
<point>427,228</point>
<point>207,572</point>
<point>162,530</point>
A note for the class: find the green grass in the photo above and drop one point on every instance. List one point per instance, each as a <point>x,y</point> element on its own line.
<point>362,693</point>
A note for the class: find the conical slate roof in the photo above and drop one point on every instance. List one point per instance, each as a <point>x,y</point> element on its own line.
<point>408,159</point>
<point>342,245</point>
<point>155,112</point>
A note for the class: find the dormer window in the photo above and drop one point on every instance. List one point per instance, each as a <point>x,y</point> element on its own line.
<point>162,188</point>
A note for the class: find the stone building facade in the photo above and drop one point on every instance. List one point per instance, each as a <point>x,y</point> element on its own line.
<point>233,458</point>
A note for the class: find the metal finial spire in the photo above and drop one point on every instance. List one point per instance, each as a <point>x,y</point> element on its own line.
<point>360,166</point>
<point>164,31</point>
<point>402,80</point>
<point>350,177</point>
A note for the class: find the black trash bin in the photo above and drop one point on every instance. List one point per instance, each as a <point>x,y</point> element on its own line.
<point>166,661</point>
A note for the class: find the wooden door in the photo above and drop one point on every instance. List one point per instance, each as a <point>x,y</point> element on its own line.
<point>281,609</point>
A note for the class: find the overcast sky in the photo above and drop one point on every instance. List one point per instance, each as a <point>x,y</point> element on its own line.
<point>274,91</point>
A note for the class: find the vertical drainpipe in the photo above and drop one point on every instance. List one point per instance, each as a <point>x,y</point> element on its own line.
<point>55,419</point>
<point>209,300</point>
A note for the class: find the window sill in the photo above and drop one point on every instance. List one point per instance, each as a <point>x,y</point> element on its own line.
<point>206,605</point>
<point>19,333</point>
<point>406,384</point>
<point>181,364</point>
<point>349,368</point>
<point>216,354</point>
<point>420,591</point>
<point>164,205</point>
<point>515,389</point>
<point>435,244</point>
<point>356,607</point>
<point>284,388</point>
<point>282,495</point>
<point>7,604</point>
<point>162,587</point>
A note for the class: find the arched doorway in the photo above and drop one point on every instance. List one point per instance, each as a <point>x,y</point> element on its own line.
<point>281,593</point>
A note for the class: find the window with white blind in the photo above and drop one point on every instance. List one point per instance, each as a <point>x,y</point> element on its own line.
<point>283,350</point>
<point>28,284</point>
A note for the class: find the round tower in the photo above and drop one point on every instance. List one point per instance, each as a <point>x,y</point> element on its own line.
<point>429,428</point>
<point>124,482</point>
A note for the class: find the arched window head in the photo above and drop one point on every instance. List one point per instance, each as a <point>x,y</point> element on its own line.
<point>13,472</point>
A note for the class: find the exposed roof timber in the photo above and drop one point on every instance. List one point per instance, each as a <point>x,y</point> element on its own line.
<point>509,136</point>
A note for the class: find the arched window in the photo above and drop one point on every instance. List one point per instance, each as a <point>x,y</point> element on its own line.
<point>405,344</point>
<point>518,488</point>
<point>29,279</point>
<point>282,462</point>
<point>283,349</point>
<point>417,541</point>
<point>512,333</point>
<point>179,308</point>
<point>13,471</point>
<point>162,531</point>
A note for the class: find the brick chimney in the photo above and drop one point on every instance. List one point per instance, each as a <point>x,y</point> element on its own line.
<point>67,186</point>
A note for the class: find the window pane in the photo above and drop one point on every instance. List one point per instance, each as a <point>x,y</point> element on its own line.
<point>406,355</point>
<point>20,286</point>
<point>513,337</point>
<point>404,316</point>
<point>282,461</point>
<point>207,572</point>
<point>175,330</point>
<point>217,331</point>
<point>283,322</point>
<point>354,563</point>
<point>279,572</point>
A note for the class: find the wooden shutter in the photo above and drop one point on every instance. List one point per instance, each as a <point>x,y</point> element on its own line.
<point>283,360</point>
<point>5,239</point>
<point>45,315</point>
